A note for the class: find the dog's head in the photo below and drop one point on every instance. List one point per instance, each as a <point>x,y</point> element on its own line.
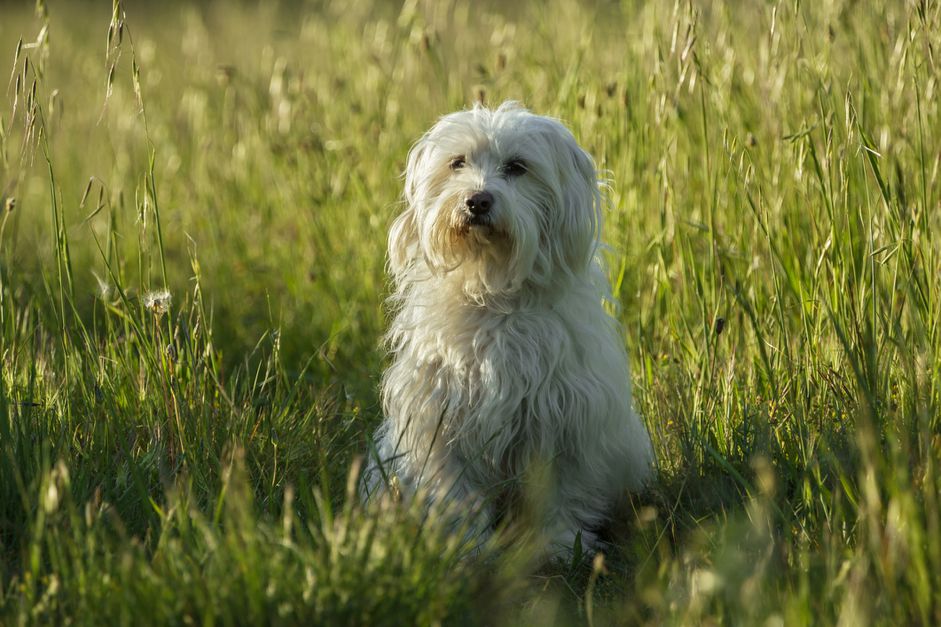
<point>502,196</point>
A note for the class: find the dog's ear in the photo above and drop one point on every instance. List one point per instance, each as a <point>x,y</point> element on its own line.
<point>403,242</point>
<point>403,235</point>
<point>579,221</point>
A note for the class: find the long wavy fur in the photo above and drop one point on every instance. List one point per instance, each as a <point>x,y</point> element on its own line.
<point>502,353</point>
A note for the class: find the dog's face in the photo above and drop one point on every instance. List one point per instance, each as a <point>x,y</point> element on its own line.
<point>502,196</point>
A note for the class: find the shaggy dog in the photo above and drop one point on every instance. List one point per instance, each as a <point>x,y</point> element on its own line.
<point>503,357</point>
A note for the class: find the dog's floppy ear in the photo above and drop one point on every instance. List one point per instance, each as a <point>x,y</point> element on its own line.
<point>403,235</point>
<point>579,222</point>
<point>403,242</point>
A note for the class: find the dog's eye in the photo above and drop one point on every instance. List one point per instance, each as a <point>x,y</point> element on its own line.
<point>514,167</point>
<point>457,163</point>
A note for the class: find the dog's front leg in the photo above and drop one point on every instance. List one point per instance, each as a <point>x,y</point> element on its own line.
<point>573,519</point>
<point>471,512</point>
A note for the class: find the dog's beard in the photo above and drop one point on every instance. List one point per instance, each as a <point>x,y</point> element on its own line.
<point>480,252</point>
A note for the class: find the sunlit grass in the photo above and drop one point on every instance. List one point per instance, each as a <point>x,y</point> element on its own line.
<point>195,203</point>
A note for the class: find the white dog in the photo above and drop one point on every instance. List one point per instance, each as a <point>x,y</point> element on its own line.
<point>503,356</point>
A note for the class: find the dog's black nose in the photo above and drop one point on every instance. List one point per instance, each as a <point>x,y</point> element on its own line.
<point>480,203</point>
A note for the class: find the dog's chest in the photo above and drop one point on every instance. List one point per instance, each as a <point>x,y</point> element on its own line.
<point>487,365</point>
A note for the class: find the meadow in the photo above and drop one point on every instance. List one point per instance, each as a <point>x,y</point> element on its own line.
<point>195,200</point>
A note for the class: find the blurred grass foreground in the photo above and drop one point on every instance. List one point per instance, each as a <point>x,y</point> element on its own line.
<point>194,208</point>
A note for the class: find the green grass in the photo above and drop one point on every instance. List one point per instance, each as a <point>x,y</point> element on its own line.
<point>773,165</point>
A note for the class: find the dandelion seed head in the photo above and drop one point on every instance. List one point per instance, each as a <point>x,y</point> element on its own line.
<point>158,301</point>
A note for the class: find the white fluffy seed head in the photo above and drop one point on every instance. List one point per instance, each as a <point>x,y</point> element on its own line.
<point>543,224</point>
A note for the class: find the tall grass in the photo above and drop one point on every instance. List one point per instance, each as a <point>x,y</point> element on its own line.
<point>195,203</point>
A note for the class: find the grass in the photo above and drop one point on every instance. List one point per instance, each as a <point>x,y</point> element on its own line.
<point>187,458</point>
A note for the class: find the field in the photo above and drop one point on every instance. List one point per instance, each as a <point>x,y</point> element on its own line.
<point>195,202</point>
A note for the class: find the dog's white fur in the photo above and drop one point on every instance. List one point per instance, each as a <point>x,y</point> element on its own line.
<point>502,353</point>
